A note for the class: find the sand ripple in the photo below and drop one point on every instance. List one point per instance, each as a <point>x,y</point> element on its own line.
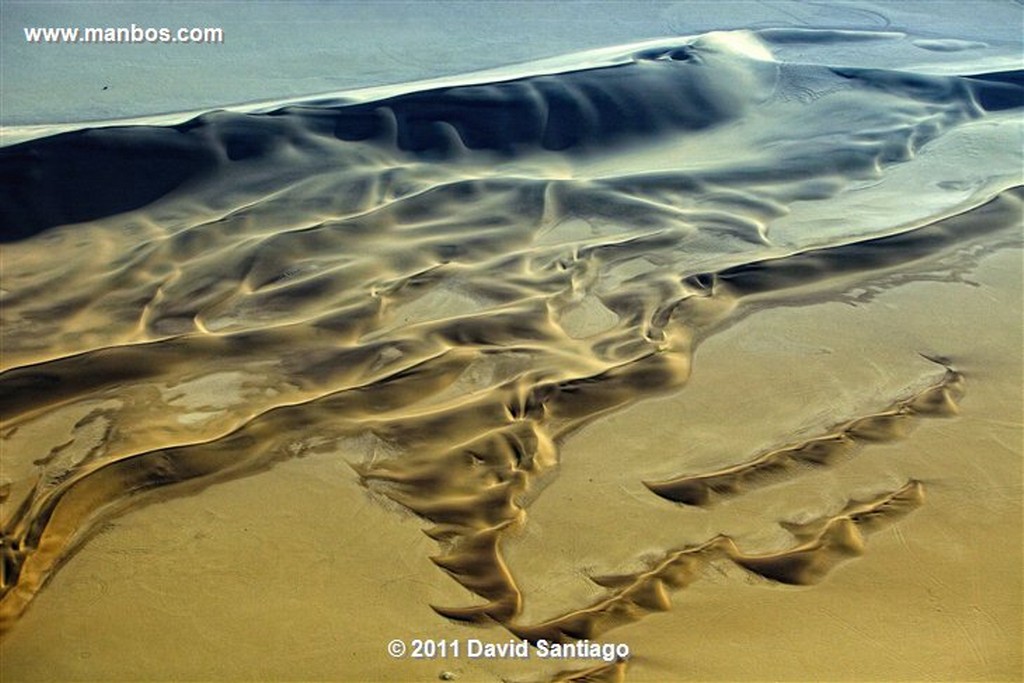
<point>453,281</point>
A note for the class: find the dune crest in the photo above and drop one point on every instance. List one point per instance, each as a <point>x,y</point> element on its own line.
<point>445,285</point>
<point>892,423</point>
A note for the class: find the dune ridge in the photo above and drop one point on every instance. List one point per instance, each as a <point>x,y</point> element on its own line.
<point>504,438</point>
<point>444,286</point>
<point>657,92</point>
<point>823,545</point>
<point>889,424</point>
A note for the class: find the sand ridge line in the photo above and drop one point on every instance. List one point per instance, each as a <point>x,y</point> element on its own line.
<point>474,493</point>
<point>891,423</point>
<point>825,543</point>
<point>879,254</point>
<point>635,365</point>
<point>374,253</point>
<point>640,366</point>
<point>56,518</point>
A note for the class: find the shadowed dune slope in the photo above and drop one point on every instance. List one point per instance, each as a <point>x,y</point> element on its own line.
<point>444,286</point>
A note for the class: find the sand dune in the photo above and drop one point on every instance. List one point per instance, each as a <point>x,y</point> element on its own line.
<point>828,448</point>
<point>634,596</point>
<point>445,287</point>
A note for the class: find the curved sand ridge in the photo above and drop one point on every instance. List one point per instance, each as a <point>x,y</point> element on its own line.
<point>451,282</point>
<point>704,84</point>
<point>830,541</point>
<point>886,425</point>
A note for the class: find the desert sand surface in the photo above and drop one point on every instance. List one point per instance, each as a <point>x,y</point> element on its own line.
<point>706,348</point>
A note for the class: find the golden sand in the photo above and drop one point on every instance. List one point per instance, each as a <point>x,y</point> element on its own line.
<point>349,373</point>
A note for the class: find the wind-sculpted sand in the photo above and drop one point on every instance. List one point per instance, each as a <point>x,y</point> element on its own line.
<point>633,596</point>
<point>886,425</point>
<point>448,288</point>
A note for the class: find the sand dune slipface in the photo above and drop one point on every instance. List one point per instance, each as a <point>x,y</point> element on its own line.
<point>445,287</point>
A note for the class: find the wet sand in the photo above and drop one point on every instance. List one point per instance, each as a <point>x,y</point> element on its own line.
<point>653,349</point>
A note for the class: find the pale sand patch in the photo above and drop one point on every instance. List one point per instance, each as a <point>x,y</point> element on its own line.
<point>55,441</point>
<point>204,397</point>
<point>587,318</point>
<point>568,232</point>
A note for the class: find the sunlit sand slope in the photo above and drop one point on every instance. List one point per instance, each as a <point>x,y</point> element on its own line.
<point>449,289</point>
